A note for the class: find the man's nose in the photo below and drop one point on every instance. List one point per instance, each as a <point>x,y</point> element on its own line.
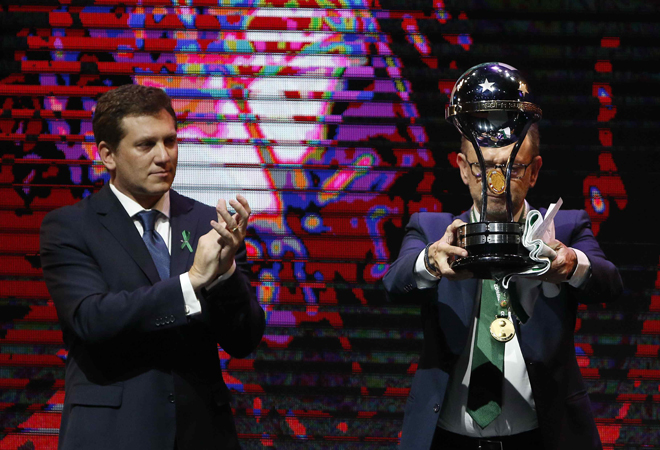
<point>498,155</point>
<point>162,153</point>
<point>501,158</point>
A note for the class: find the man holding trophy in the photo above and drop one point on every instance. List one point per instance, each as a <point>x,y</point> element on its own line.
<point>499,287</point>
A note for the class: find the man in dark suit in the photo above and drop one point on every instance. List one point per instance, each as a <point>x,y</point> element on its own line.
<point>146,284</point>
<point>544,403</point>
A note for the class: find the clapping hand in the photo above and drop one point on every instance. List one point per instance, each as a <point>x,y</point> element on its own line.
<point>217,248</point>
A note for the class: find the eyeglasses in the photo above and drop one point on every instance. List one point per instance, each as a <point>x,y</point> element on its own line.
<point>517,170</point>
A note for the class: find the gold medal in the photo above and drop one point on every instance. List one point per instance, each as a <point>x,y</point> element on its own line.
<point>496,181</point>
<point>502,329</point>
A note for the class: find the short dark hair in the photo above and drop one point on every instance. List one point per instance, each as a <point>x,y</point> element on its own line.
<point>126,101</point>
<point>532,134</point>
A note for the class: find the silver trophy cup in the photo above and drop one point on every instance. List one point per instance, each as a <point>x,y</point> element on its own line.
<point>490,107</point>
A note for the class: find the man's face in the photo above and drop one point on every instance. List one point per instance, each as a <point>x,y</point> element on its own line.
<point>519,187</point>
<point>144,163</point>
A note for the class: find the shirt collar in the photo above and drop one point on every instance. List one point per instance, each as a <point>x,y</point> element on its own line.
<point>132,207</point>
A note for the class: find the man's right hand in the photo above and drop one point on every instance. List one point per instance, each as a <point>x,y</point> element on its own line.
<point>441,253</point>
<point>205,266</point>
<point>217,248</point>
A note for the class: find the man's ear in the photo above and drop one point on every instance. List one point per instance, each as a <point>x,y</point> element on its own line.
<point>464,167</point>
<point>535,168</point>
<point>107,156</point>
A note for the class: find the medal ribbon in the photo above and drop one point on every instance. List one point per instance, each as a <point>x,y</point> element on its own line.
<point>510,295</point>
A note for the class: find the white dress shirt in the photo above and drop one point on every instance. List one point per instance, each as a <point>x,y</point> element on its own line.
<point>518,408</point>
<point>163,228</point>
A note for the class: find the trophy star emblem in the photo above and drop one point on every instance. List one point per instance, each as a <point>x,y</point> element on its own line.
<point>486,86</point>
<point>522,87</point>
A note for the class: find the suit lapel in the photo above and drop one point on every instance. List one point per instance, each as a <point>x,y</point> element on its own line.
<point>458,297</point>
<point>468,288</point>
<point>182,220</point>
<point>116,220</point>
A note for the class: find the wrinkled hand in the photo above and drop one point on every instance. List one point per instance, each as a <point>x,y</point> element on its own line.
<point>217,248</point>
<point>444,251</point>
<point>562,266</point>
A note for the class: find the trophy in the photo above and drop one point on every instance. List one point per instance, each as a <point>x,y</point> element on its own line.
<point>489,106</point>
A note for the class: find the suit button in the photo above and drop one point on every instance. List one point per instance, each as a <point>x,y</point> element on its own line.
<point>170,398</point>
<point>436,408</point>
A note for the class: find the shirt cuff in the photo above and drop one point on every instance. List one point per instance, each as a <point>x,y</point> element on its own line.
<point>423,277</point>
<point>222,277</point>
<point>189,297</point>
<point>581,270</point>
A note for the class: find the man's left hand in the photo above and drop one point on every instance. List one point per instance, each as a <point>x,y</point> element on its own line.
<point>232,230</point>
<point>563,265</point>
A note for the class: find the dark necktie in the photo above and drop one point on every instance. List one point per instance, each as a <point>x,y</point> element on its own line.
<point>486,376</point>
<point>155,243</point>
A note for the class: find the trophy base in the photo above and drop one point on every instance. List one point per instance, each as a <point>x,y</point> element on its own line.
<point>490,267</point>
<point>494,249</point>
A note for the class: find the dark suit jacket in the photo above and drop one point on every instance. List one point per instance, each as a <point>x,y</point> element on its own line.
<point>546,339</point>
<point>139,371</point>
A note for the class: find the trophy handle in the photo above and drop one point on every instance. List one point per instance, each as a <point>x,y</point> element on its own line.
<point>472,137</point>
<point>509,164</point>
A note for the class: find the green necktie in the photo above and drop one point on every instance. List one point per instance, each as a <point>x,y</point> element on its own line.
<point>485,391</point>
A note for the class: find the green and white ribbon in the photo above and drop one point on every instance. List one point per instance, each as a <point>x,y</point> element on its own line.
<point>537,230</point>
<point>185,242</point>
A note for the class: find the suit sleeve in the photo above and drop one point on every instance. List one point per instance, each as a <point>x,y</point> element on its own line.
<point>85,303</point>
<point>400,278</point>
<point>237,318</point>
<point>604,283</point>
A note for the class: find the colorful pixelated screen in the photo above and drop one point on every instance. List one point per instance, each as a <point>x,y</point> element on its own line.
<point>328,116</point>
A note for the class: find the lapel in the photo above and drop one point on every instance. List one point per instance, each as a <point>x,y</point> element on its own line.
<point>115,219</point>
<point>459,298</point>
<point>181,219</point>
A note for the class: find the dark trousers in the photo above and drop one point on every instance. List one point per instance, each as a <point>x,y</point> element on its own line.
<point>445,440</point>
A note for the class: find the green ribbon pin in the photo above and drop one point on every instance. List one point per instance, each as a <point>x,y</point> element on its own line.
<point>186,240</point>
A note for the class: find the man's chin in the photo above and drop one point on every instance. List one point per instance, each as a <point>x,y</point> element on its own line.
<point>161,186</point>
<point>496,212</point>
<point>499,217</point>
<point>156,190</point>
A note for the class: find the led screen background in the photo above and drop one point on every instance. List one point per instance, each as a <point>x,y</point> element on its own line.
<point>328,115</point>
